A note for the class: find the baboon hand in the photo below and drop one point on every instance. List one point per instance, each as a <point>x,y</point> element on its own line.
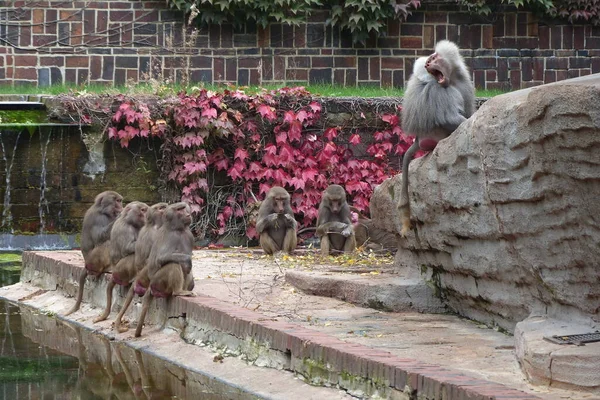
<point>347,231</point>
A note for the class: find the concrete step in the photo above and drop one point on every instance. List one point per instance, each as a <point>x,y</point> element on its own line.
<point>264,338</point>
<point>386,293</point>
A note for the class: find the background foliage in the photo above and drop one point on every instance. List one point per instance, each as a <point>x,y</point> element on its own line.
<point>224,150</point>
<point>574,11</point>
<point>363,18</point>
<point>359,17</point>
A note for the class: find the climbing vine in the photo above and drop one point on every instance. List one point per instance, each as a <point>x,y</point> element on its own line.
<point>359,17</point>
<point>224,151</point>
<point>574,11</point>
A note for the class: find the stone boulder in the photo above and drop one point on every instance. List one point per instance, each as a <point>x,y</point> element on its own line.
<point>507,209</point>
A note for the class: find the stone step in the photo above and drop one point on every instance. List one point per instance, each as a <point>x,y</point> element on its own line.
<point>394,294</point>
<point>319,358</point>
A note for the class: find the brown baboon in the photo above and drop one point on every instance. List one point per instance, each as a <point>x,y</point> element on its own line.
<point>334,223</point>
<point>95,234</point>
<point>276,224</point>
<point>143,246</point>
<point>123,240</point>
<point>169,265</point>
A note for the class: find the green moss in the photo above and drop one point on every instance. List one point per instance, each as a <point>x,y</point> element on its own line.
<point>10,257</point>
<point>434,282</point>
<point>316,370</point>
<point>23,117</point>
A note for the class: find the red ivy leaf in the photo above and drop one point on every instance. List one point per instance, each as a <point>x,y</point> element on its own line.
<point>295,133</point>
<point>390,119</point>
<point>330,133</point>
<point>210,113</point>
<point>221,164</point>
<point>281,137</point>
<point>354,139</point>
<point>302,116</point>
<point>289,116</point>
<point>267,112</point>
<point>309,174</point>
<point>240,154</point>
<point>297,183</point>
<point>316,107</point>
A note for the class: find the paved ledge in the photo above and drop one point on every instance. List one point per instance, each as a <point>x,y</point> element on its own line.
<point>277,337</point>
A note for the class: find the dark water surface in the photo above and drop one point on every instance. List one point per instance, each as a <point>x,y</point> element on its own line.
<point>42,357</point>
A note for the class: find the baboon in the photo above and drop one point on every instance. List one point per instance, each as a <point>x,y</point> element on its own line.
<point>169,265</point>
<point>95,234</point>
<point>143,246</point>
<point>439,97</point>
<point>334,223</point>
<point>123,241</point>
<point>276,224</point>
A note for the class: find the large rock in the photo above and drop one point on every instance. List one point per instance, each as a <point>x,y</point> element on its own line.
<point>507,208</point>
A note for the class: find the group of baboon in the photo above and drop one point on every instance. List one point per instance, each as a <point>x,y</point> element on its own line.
<point>151,247</point>
<point>277,226</point>
<point>147,248</point>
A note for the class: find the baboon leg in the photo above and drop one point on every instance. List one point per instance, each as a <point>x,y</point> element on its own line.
<point>350,244</point>
<point>325,245</point>
<point>118,327</point>
<point>109,292</point>
<point>290,241</point>
<point>145,304</point>
<point>180,282</point>
<point>404,204</point>
<point>268,244</point>
<point>189,283</point>
<point>79,293</point>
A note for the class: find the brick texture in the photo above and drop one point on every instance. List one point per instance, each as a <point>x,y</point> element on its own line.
<point>116,41</point>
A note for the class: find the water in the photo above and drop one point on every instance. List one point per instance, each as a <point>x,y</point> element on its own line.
<point>47,241</point>
<point>42,357</point>
<point>6,214</point>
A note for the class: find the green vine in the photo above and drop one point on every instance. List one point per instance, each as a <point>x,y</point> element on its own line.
<point>574,11</point>
<point>360,17</point>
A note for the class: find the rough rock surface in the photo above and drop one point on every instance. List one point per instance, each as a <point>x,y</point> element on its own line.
<point>506,209</point>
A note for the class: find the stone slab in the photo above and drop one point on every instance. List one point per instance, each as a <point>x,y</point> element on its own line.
<point>387,293</point>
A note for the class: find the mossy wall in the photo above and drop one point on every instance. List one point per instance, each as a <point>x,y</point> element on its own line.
<point>47,183</point>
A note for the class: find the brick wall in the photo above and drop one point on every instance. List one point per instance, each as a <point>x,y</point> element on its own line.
<point>116,41</point>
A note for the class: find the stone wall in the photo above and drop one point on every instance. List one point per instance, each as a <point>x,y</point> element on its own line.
<point>50,177</point>
<point>115,41</point>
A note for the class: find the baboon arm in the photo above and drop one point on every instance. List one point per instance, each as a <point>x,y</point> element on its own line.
<point>185,260</point>
<point>331,227</point>
<point>453,122</point>
<point>102,233</point>
<point>265,223</point>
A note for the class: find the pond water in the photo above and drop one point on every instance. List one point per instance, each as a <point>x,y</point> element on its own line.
<point>42,357</point>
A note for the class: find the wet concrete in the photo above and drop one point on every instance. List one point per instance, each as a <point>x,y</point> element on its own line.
<point>435,342</point>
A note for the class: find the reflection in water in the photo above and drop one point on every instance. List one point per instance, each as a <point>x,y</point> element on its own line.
<point>42,357</point>
<point>27,370</point>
